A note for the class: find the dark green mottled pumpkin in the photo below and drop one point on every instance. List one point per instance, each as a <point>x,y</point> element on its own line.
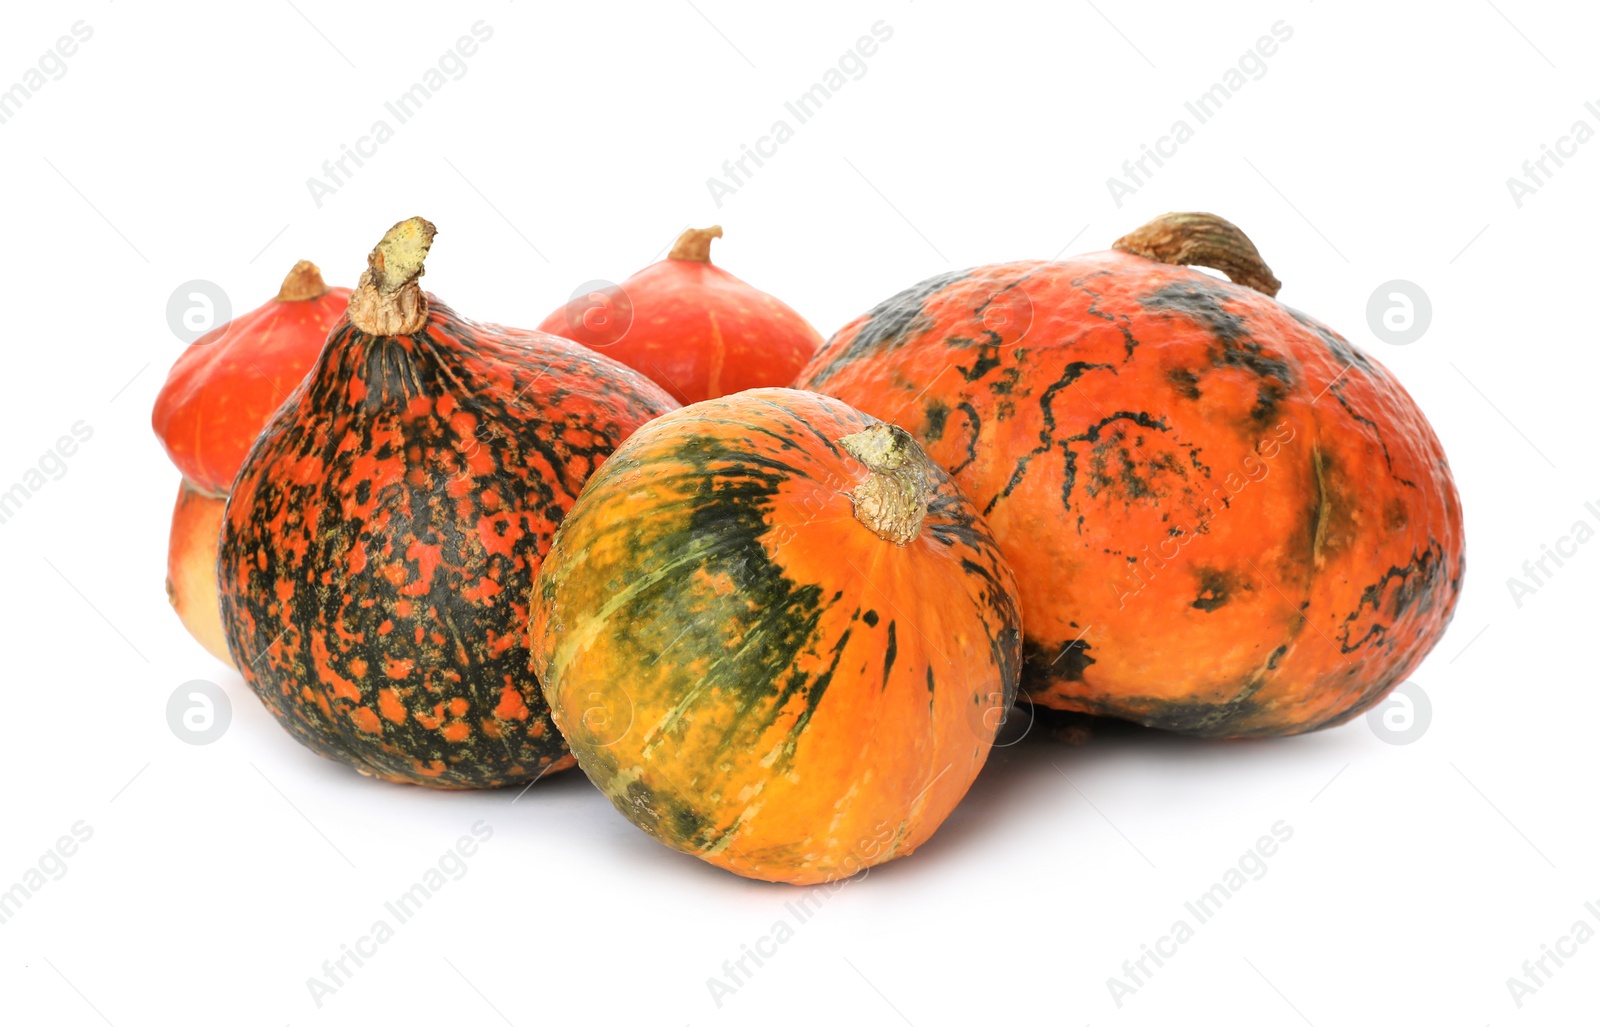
<point>383,535</point>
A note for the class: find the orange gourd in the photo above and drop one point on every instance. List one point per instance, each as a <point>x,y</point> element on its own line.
<point>776,636</point>
<point>1225,519</point>
<point>217,397</point>
<point>691,327</point>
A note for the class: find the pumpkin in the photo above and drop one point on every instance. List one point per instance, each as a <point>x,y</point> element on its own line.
<point>192,567</point>
<point>691,327</point>
<point>1225,519</point>
<point>381,539</point>
<point>216,399</point>
<point>776,636</point>
<point>223,388</point>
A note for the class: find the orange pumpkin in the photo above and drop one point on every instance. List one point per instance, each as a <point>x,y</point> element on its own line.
<point>216,399</point>
<point>1224,518</point>
<point>776,636</point>
<point>192,567</point>
<point>223,387</point>
<point>691,327</point>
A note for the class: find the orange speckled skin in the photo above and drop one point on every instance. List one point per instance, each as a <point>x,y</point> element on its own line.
<point>750,674</point>
<point>694,329</point>
<point>382,537</point>
<point>192,567</point>
<point>224,387</point>
<point>1224,518</point>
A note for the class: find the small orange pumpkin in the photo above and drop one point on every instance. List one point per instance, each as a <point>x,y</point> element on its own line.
<point>691,327</point>
<point>776,636</point>
<point>192,567</point>
<point>224,386</point>
<point>216,399</point>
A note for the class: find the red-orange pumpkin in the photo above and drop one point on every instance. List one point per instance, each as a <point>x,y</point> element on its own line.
<point>690,326</point>
<point>216,400</point>
<point>223,387</point>
<point>1224,518</point>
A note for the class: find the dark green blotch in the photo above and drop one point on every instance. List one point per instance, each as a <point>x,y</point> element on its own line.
<point>1185,381</point>
<point>937,412</point>
<point>886,325</point>
<point>1215,589</point>
<point>1342,351</point>
<point>1041,665</point>
<point>1204,303</point>
<point>890,649</point>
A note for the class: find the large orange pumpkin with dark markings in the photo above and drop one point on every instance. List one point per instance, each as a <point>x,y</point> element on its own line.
<point>1224,518</point>
<point>381,539</point>
<point>776,636</point>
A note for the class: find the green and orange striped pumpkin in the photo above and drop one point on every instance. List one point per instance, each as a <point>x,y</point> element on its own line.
<point>776,636</point>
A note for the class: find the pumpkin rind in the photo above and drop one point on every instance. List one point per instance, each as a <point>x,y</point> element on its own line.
<point>691,327</point>
<point>1224,518</point>
<point>192,567</point>
<point>225,385</point>
<point>217,397</point>
<point>747,671</point>
<point>383,535</point>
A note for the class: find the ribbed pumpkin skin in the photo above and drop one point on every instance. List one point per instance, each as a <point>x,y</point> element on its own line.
<point>751,675</point>
<point>382,538</point>
<point>1224,518</point>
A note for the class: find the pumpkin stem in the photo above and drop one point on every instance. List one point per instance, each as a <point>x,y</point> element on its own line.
<point>695,244</point>
<point>304,282</point>
<point>388,300</point>
<point>893,500</point>
<point>1204,240</point>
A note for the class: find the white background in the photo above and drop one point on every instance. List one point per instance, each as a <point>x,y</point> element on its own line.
<point>1377,146</point>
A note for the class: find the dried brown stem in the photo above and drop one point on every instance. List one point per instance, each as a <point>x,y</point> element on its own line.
<point>1204,240</point>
